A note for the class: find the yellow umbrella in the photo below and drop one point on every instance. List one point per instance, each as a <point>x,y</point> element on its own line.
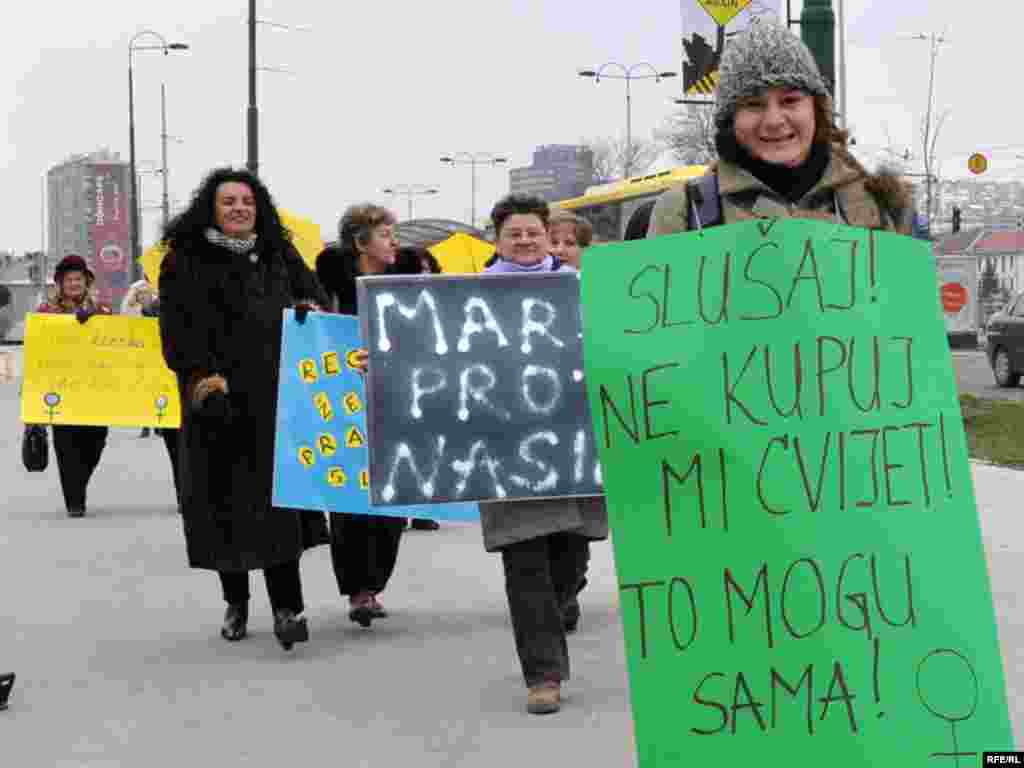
<point>462,253</point>
<point>305,237</point>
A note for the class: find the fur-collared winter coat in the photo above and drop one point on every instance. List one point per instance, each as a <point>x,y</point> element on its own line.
<point>509,522</point>
<point>878,201</point>
<point>220,312</point>
<point>57,304</point>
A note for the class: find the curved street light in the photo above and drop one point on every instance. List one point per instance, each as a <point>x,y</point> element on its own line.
<point>629,74</point>
<point>166,47</point>
<point>472,159</point>
<point>410,191</point>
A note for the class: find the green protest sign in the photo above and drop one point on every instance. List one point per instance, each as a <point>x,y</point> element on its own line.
<point>801,571</point>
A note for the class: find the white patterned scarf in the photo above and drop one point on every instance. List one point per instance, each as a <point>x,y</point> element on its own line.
<point>238,245</point>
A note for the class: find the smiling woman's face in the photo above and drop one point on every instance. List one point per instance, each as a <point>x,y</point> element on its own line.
<point>235,209</point>
<point>777,126</point>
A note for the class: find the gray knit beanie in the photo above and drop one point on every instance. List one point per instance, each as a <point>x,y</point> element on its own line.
<point>764,55</point>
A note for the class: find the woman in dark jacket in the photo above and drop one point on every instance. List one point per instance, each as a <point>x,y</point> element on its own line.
<point>78,448</point>
<point>229,272</point>
<point>364,548</point>
<point>780,154</point>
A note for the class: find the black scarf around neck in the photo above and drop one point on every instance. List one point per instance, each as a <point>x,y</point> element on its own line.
<point>789,183</point>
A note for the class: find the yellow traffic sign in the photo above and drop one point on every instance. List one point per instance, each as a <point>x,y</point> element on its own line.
<point>977,163</point>
<point>723,11</point>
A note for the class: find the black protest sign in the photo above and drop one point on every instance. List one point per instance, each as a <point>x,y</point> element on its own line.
<point>475,389</point>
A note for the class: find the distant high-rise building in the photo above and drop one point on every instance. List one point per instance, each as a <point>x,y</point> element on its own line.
<point>559,171</point>
<point>88,204</point>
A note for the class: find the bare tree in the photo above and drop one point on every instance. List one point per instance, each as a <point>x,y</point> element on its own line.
<point>689,134</point>
<point>613,156</point>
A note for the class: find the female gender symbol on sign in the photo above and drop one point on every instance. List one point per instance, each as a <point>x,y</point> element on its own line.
<point>52,400</point>
<point>161,406</point>
<point>940,689</point>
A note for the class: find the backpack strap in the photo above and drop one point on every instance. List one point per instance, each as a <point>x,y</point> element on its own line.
<point>705,202</point>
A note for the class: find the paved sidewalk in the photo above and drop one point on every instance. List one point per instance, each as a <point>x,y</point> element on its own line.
<point>115,643</point>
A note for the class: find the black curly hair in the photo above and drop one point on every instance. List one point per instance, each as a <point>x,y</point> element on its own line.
<point>190,225</point>
<point>513,204</point>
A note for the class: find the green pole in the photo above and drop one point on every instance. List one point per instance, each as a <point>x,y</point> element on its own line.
<point>818,30</point>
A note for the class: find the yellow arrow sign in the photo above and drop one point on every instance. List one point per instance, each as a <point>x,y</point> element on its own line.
<point>723,11</point>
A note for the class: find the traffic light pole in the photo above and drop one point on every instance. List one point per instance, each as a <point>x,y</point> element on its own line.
<point>818,30</point>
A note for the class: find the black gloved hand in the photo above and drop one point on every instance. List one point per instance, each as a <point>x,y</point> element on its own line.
<point>82,314</point>
<point>303,308</point>
<point>152,309</point>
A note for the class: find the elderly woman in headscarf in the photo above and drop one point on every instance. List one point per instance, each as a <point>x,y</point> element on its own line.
<point>230,271</point>
<point>78,448</point>
<point>780,153</point>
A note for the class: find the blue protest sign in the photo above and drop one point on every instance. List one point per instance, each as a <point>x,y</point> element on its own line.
<point>321,461</point>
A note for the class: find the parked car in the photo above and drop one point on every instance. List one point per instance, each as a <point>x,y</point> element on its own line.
<point>1004,342</point>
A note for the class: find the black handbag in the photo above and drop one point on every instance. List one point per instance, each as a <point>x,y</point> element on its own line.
<point>35,448</point>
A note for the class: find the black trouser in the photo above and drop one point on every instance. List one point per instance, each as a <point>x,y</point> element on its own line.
<point>364,549</point>
<point>78,452</point>
<point>541,576</point>
<point>284,586</point>
<point>170,437</point>
<point>583,562</point>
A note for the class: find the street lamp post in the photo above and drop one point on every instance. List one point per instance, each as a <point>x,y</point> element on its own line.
<point>628,74</point>
<point>410,191</point>
<point>930,129</point>
<point>165,205</point>
<point>252,114</point>
<point>166,47</point>
<point>817,29</point>
<point>472,159</point>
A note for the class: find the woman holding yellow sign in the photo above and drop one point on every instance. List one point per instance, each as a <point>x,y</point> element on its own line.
<point>78,448</point>
<point>229,273</point>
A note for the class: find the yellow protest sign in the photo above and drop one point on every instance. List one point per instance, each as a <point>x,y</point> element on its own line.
<point>723,11</point>
<point>107,372</point>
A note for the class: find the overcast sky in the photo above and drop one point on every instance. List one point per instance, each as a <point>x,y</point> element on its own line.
<point>381,89</point>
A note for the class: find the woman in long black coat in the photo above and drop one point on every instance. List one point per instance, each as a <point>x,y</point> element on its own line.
<point>229,272</point>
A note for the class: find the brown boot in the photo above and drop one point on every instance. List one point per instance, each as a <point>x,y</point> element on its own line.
<point>544,699</point>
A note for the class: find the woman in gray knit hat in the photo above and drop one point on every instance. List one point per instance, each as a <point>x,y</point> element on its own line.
<point>780,153</point>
